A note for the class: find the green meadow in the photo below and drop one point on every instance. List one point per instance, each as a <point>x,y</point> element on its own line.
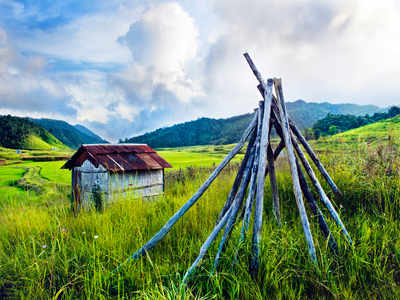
<point>48,252</point>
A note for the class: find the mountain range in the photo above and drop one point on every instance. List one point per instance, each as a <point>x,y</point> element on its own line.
<point>225,131</point>
<point>71,135</point>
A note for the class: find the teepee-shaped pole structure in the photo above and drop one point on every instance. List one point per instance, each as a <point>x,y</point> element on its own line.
<point>257,163</point>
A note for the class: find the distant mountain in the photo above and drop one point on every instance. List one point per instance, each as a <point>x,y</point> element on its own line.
<point>72,136</point>
<point>307,113</point>
<point>22,133</point>
<point>205,131</point>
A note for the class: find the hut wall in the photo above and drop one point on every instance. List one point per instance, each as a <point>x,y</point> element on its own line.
<point>138,183</point>
<point>86,177</point>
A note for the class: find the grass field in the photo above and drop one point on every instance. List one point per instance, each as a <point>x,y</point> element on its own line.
<point>47,252</point>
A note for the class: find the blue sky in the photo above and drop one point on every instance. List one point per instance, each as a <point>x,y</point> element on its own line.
<point>122,68</point>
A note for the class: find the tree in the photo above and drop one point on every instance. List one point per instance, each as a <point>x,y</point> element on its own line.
<point>333,130</point>
<point>393,111</point>
<point>309,134</point>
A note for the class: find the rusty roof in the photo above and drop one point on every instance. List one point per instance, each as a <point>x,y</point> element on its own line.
<point>117,158</point>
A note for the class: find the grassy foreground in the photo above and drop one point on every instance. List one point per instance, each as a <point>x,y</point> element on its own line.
<point>45,251</point>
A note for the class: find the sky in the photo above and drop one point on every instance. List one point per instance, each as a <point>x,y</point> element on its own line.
<point>122,68</point>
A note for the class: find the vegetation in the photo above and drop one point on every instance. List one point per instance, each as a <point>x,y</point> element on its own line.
<point>205,131</point>
<point>335,123</point>
<point>21,133</point>
<point>371,136</point>
<point>45,251</point>
<point>72,136</point>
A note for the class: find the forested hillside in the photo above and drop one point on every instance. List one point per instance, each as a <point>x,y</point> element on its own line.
<point>335,123</point>
<point>21,133</point>
<point>224,131</point>
<point>72,136</point>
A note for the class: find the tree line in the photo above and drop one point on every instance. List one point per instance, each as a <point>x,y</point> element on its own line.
<point>336,123</point>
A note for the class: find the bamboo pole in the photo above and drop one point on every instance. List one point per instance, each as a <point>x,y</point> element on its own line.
<point>167,227</point>
<point>320,190</point>
<point>293,168</point>
<point>315,209</point>
<point>315,159</point>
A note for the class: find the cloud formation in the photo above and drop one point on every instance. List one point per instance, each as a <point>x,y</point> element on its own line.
<point>126,67</point>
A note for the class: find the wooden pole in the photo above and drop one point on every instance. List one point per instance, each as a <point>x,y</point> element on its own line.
<point>315,159</point>
<point>167,227</point>
<point>293,168</point>
<point>315,209</point>
<point>235,208</point>
<point>206,245</point>
<point>239,174</point>
<point>320,190</point>
<point>264,141</point>
<point>252,189</point>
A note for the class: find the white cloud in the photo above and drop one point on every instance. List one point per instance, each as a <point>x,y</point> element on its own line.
<point>89,38</point>
<point>340,51</point>
<point>164,43</point>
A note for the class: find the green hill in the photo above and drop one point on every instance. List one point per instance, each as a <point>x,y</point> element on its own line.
<point>369,136</point>
<point>72,136</point>
<point>21,133</point>
<point>206,131</point>
<point>372,133</point>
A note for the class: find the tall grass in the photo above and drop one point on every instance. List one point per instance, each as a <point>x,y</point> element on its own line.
<point>80,252</point>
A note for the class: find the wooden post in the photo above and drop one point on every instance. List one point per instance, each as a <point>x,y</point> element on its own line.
<point>206,245</point>
<point>167,227</point>
<point>316,161</point>
<point>321,192</point>
<point>236,206</point>
<point>252,189</point>
<point>239,174</point>
<point>293,168</point>
<point>261,175</point>
<point>315,209</point>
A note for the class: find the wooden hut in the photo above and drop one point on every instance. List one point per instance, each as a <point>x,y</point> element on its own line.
<point>114,169</point>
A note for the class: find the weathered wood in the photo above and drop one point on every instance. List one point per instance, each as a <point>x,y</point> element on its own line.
<point>252,184</point>
<point>315,209</point>
<point>167,227</point>
<point>306,191</point>
<point>274,185</point>
<point>315,159</point>
<point>320,190</point>
<point>239,174</point>
<point>261,176</point>
<point>293,168</point>
<point>308,148</point>
<point>236,206</point>
<point>206,245</point>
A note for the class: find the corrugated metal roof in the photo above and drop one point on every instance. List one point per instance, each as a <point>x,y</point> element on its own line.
<point>117,158</point>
